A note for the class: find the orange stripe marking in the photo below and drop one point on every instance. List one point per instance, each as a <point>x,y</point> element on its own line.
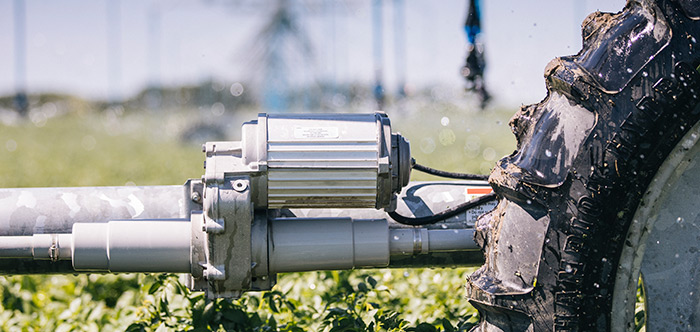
<point>479,191</point>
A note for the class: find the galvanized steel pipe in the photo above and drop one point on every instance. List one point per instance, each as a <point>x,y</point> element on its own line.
<point>29,211</point>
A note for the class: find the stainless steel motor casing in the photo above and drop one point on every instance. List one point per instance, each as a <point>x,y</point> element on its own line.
<point>316,160</point>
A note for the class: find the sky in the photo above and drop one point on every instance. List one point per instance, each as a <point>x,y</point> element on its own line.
<point>103,49</point>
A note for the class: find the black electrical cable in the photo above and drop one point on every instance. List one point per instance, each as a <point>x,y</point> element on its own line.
<point>451,212</point>
<point>445,174</point>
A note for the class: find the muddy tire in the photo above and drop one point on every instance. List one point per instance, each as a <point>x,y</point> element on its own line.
<point>586,155</point>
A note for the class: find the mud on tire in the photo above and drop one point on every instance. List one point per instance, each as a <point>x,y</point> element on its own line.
<point>584,158</point>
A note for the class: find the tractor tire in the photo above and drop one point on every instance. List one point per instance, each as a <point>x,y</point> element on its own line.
<point>585,157</point>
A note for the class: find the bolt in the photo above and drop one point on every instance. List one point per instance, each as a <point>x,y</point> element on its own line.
<point>53,253</point>
<point>196,197</point>
<point>240,185</point>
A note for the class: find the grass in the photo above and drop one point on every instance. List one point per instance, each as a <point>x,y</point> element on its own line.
<point>140,148</point>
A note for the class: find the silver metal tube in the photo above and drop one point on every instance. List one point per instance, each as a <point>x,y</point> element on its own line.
<point>52,247</point>
<point>326,244</point>
<point>449,240</point>
<point>307,244</point>
<point>416,241</point>
<point>132,246</point>
<point>279,245</point>
<point>116,246</point>
<point>408,241</point>
<point>16,247</point>
<point>29,211</point>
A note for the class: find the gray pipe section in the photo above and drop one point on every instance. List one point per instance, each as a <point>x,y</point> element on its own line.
<point>309,244</point>
<point>416,241</point>
<point>132,246</point>
<point>29,211</point>
<point>296,245</point>
<point>279,245</point>
<point>16,247</point>
<point>116,246</point>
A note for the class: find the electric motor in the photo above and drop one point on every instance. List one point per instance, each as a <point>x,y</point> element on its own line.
<point>317,160</point>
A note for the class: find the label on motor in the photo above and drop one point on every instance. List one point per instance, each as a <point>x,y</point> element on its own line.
<point>315,132</point>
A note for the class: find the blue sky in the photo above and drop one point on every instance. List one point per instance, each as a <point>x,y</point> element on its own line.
<point>68,43</point>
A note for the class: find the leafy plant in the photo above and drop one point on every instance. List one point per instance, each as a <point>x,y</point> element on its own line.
<point>107,148</point>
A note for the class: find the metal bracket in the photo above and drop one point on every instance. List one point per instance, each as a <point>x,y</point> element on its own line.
<point>228,216</point>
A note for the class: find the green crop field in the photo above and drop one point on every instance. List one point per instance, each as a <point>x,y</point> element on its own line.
<point>145,148</point>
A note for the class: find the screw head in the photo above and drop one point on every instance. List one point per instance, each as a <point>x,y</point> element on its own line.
<point>196,197</point>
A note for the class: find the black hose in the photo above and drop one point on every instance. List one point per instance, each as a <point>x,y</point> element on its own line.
<point>451,212</point>
<point>452,175</point>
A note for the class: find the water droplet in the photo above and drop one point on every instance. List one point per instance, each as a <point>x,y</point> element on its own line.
<point>547,153</point>
<point>443,226</point>
<point>568,268</point>
<point>489,154</point>
<point>687,144</point>
<point>680,220</point>
<point>629,70</point>
<point>445,121</point>
<point>692,39</point>
<point>645,74</point>
<point>405,274</point>
<point>528,202</point>
<point>427,145</point>
<point>676,255</point>
<point>595,284</point>
<point>604,260</point>
<point>88,142</point>
<point>312,286</point>
<point>11,145</point>
<point>447,137</point>
<point>396,237</point>
<point>218,109</point>
<point>236,89</point>
<point>641,156</point>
